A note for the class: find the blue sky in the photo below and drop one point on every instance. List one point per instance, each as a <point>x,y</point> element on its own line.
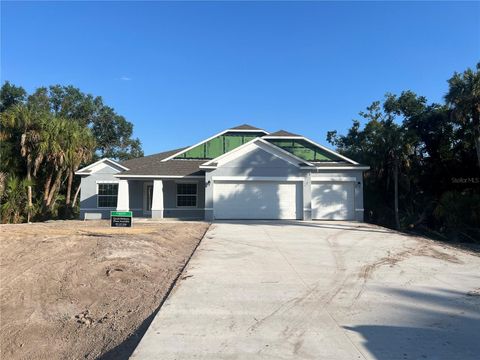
<point>184,71</point>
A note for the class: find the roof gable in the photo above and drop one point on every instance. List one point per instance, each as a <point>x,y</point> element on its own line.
<point>218,145</point>
<point>305,150</point>
<point>100,164</point>
<point>255,144</point>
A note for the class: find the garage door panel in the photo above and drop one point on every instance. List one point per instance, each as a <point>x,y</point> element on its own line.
<point>256,200</point>
<point>333,201</point>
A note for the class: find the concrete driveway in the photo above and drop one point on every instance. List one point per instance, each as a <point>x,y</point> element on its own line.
<point>319,290</point>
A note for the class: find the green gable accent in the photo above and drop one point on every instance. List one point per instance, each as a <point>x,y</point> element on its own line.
<point>232,142</point>
<point>195,153</point>
<point>214,147</point>
<point>304,150</point>
<point>219,145</point>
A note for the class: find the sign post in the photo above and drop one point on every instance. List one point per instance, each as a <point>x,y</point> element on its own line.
<point>121,219</point>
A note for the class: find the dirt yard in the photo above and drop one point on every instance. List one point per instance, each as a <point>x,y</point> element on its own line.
<point>83,290</point>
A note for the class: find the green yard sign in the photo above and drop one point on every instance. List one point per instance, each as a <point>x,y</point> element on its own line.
<point>121,213</point>
<point>121,219</point>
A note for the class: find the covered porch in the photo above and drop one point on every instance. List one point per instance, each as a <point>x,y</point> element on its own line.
<point>159,198</point>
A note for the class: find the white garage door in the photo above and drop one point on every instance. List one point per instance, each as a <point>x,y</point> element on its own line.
<point>333,201</point>
<point>256,200</point>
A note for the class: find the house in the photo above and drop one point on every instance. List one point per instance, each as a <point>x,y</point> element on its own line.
<point>240,173</point>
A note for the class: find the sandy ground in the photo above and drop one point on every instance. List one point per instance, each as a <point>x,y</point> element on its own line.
<point>82,290</point>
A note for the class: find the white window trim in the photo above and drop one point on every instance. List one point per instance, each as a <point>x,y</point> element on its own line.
<point>177,195</point>
<point>107,181</point>
<point>98,195</point>
<point>258,178</point>
<point>333,179</point>
<point>121,176</point>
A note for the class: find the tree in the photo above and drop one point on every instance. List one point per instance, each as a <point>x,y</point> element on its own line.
<point>14,199</point>
<point>463,97</point>
<point>11,95</point>
<point>55,150</point>
<point>80,147</point>
<point>416,151</point>
<point>382,144</point>
<point>47,136</point>
<point>112,132</point>
<point>29,124</point>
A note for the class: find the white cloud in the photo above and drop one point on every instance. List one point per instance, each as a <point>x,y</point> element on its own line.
<point>125,78</point>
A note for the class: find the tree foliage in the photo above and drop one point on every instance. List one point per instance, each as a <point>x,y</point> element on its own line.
<point>425,151</point>
<point>47,136</point>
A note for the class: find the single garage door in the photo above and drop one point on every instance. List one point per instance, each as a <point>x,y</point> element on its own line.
<point>333,201</point>
<point>256,200</point>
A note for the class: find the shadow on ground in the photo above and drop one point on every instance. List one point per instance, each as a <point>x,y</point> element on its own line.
<point>441,324</point>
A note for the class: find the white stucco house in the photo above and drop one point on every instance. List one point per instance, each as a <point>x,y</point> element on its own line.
<point>240,173</point>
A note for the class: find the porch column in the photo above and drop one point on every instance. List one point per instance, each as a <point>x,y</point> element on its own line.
<point>123,196</point>
<point>208,196</point>
<point>157,199</point>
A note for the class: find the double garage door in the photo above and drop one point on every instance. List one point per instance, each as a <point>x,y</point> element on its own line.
<point>281,200</point>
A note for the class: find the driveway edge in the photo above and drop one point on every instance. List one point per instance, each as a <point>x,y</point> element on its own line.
<point>172,287</point>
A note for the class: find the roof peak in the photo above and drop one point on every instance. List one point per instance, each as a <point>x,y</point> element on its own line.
<point>245,127</point>
<point>282,133</point>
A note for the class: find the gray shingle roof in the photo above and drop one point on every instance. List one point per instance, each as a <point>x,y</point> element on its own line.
<point>153,165</point>
<point>281,133</point>
<point>160,156</point>
<point>245,127</point>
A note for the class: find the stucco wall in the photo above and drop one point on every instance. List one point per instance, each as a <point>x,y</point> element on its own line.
<point>88,193</point>
<point>137,196</point>
<point>257,163</point>
<point>261,163</point>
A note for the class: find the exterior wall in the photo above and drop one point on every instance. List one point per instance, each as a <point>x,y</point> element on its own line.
<point>170,200</point>
<point>135,192</point>
<point>307,197</point>
<point>255,163</point>
<point>261,163</point>
<point>258,163</point>
<point>88,193</point>
<point>137,197</point>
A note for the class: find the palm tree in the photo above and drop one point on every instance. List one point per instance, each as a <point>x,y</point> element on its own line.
<point>15,199</point>
<point>55,144</point>
<point>30,124</point>
<point>464,98</point>
<point>80,147</point>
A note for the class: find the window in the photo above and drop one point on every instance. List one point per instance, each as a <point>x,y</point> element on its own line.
<point>186,195</point>
<point>107,195</point>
